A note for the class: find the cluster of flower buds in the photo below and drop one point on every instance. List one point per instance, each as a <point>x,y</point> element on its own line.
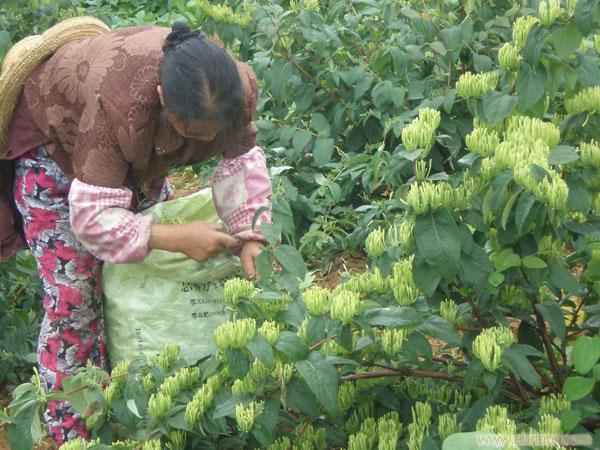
<point>418,429</point>
<point>586,100</point>
<point>549,425</point>
<point>590,153</point>
<point>482,141</point>
<point>183,380</point>
<point>258,372</point>
<point>510,154</point>
<point>402,283</point>
<point>449,310</point>
<point>420,388</point>
<point>271,308</point>
<point>283,372</point>
<point>79,444</point>
<point>496,420</point>
<point>235,334</point>
<point>176,440</point>
<point>489,344</point>
<point>553,192</point>
<point>168,357</point>
<point>597,43</point>
<point>447,425</point>
<point>346,396</point>
<point>118,379</point>
<point>420,133</point>
<point>554,404</point>
<point>571,4</point>
<point>283,443</point>
<point>332,348</point>
<point>422,169</point>
<point>389,429</point>
<point>514,296</point>
<point>302,331</point>
<point>270,331</point>
<point>521,30</point>
<point>430,196</point>
<point>237,289</point>
<point>344,306</point>
<point>304,5</point>
<point>391,340</point>
<point>509,58</point>
<point>306,437</point>
<point>221,13</point>
<point>365,410</point>
<point>402,234</point>
<point>549,11</point>
<point>471,85</point>
<point>153,444</point>
<point>148,382</point>
<point>358,441</point>
<point>202,399</point>
<point>368,282</point>
<point>461,400</point>
<point>245,416</point>
<point>317,300</point>
<point>531,129</point>
<point>159,405</point>
<point>369,429</point>
<point>375,243</point>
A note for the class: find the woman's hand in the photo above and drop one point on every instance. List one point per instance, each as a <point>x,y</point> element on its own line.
<point>198,240</point>
<point>248,256</point>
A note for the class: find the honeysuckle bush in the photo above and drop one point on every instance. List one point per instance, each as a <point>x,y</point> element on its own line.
<point>458,144</point>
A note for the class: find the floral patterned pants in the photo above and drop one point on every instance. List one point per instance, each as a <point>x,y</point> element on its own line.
<point>72,331</point>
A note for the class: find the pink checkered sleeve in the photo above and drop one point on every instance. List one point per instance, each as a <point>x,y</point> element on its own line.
<point>102,222</point>
<point>241,186</point>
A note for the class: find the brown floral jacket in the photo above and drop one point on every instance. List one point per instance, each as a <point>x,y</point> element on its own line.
<point>95,107</point>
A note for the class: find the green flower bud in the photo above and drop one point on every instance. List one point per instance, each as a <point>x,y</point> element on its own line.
<point>471,85</point>
<point>549,425</point>
<point>317,300</point>
<point>358,441</point>
<point>111,393</point>
<point>422,169</point>
<point>303,330</point>
<point>521,30</point>
<point>554,193</point>
<point>402,234</point>
<point>489,169</point>
<point>269,330</point>
<point>153,444</point>
<point>283,372</point>
<point>549,11</point>
<point>119,372</point>
<point>389,431</point>
<point>418,135</point>
<point>332,348</point>
<point>597,43</point>
<point>245,416</point>
<point>282,443</point>
<point>513,296</point>
<point>587,99</point>
<point>360,414</point>
<point>391,340</point>
<point>237,289</point>
<point>243,385</point>
<point>345,306</point>
<point>448,310</point>
<point>590,154</point>
<point>496,421</point>
<point>201,401</point>
<point>148,382</point>
<point>168,357</point>
<point>419,427</point>
<point>221,13</point>
<point>346,396</point>
<point>235,334</point>
<point>176,440</point>
<point>375,244</point>
<point>462,400</point>
<point>430,117</point>
<point>482,141</point>
<point>366,283</point>
<point>447,425</point>
<point>78,444</point>
<point>509,58</point>
<point>91,421</point>
<point>571,4</point>
<point>369,429</point>
<point>402,283</point>
<point>554,404</point>
<point>159,405</point>
<point>430,196</point>
<point>488,351</point>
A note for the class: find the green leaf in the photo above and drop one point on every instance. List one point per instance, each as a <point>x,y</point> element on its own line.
<point>506,259</point>
<point>497,106</point>
<point>552,313</point>
<point>261,349</point>
<point>561,278</point>
<point>515,358</point>
<point>526,201</point>
<point>566,40</point>
<point>535,42</point>
<point>576,388</point>
<point>508,208</point>
<point>531,85</point>
<point>320,124</point>
<point>393,316</point>
<point>562,154</point>
<point>271,232</point>
<point>585,13</point>
<point>238,362</point>
<point>441,329</point>
<point>475,267</point>
<point>579,198</point>
<point>264,426</point>
<point>588,71</point>
<point>569,419</point>
<point>301,139</point>
<point>299,397</point>
<point>438,240</point>
<point>322,151</point>
<point>496,279</point>
<point>585,353</point>
<point>291,259</point>
<point>426,278</point>
<point>322,379</point>
<point>291,346</point>
<point>533,262</point>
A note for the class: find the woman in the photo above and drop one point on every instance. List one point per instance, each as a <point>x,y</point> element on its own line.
<point>95,131</point>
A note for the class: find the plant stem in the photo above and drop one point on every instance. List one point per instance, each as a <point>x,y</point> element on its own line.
<point>548,346</point>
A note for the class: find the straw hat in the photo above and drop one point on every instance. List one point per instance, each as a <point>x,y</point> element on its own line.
<point>27,54</point>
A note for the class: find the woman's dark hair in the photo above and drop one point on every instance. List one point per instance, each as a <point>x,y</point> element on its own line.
<point>199,78</point>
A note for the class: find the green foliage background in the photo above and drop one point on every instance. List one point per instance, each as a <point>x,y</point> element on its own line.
<point>462,236</point>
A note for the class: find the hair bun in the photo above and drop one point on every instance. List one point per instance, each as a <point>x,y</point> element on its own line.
<point>180,32</point>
